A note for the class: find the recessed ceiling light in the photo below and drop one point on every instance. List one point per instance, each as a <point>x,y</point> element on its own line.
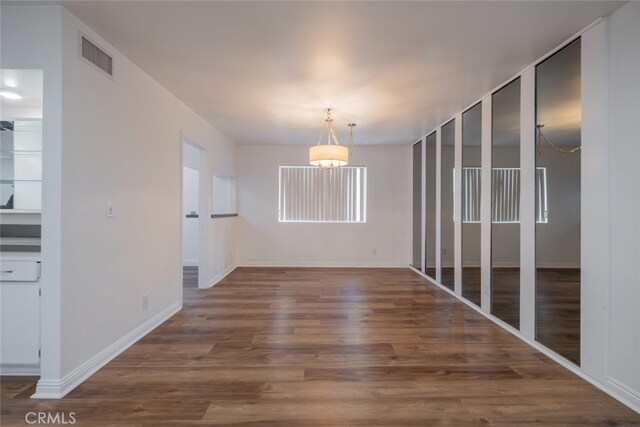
<point>10,95</point>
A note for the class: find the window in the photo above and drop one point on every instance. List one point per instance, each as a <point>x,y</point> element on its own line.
<point>505,200</point>
<point>311,194</point>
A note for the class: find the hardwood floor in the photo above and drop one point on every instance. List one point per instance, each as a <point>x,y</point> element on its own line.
<point>558,310</point>
<point>190,277</point>
<point>327,347</point>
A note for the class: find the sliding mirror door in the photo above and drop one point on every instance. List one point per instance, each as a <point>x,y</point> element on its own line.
<point>471,143</point>
<point>558,120</point>
<point>418,238</point>
<point>505,204</point>
<point>446,197</point>
<point>430,197</point>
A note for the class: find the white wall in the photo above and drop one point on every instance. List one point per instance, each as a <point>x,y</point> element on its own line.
<point>108,140</point>
<point>624,137</point>
<point>265,241</point>
<point>122,142</point>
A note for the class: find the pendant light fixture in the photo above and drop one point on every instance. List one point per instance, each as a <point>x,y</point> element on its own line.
<point>331,154</point>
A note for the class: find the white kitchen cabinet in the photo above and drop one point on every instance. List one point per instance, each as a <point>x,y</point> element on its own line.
<point>19,318</point>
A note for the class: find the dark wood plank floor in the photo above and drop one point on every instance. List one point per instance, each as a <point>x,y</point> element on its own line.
<point>558,310</point>
<point>327,347</point>
<point>190,276</point>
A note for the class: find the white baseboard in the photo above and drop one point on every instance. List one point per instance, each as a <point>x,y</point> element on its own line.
<point>18,370</point>
<point>626,393</point>
<point>558,265</point>
<point>612,387</point>
<point>222,275</point>
<point>346,264</point>
<point>517,265</point>
<point>58,388</point>
<point>190,263</point>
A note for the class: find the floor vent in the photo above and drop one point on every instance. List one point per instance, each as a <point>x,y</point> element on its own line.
<point>96,56</point>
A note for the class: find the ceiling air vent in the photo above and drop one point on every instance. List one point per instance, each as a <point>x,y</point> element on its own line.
<point>96,56</point>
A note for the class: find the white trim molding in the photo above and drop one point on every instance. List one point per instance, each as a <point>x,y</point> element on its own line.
<point>57,388</point>
<point>321,264</point>
<point>626,394</point>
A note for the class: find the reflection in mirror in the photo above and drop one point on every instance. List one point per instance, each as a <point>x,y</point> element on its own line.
<point>21,140</point>
<point>471,142</point>
<point>446,196</point>
<point>430,197</point>
<point>558,119</point>
<point>505,204</point>
<point>416,260</point>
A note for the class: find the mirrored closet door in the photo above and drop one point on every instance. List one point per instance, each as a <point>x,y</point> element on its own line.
<point>416,260</point>
<point>505,204</point>
<point>446,196</point>
<point>558,122</point>
<point>430,198</point>
<point>471,247</point>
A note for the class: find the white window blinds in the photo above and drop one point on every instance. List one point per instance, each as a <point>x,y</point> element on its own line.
<point>506,195</point>
<point>311,194</point>
<point>471,194</point>
<point>505,200</point>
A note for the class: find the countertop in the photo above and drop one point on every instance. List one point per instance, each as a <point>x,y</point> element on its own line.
<point>20,256</point>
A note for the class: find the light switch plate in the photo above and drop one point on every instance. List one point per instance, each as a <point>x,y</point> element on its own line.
<point>109,209</point>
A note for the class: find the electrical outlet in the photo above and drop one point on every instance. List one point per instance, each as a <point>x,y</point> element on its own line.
<point>109,209</point>
<point>375,251</point>
<point>145,302</point>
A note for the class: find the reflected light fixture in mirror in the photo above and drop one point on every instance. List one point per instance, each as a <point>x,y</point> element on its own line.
<point>332,154</point>
<point>10,95</point>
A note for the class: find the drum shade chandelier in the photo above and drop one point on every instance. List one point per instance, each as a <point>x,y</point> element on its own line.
<point>331,154</point>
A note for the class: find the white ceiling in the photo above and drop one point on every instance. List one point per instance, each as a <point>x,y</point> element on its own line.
<point>263,72</point>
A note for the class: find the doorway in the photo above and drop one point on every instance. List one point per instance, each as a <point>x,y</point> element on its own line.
<point>193,215</point>
<point>22,137</point>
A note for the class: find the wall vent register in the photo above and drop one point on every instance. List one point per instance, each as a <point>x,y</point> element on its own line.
<point>96,56</point>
